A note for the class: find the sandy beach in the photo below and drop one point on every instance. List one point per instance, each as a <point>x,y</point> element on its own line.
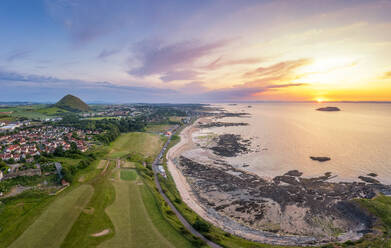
<point>275,217</point>
<point>186,143</point>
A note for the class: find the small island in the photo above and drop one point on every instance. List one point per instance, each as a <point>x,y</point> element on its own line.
<point>320,159</point>
<point>329,109</point>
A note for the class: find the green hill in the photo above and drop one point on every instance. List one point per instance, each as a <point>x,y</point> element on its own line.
<point>72,103</point>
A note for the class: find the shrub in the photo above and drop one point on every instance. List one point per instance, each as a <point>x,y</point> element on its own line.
<point>201,226</point>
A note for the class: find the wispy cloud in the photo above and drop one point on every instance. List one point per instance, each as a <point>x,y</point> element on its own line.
<point>53,87</point>
<point>180,75</point>
<point>156,58</point>
<point>239,92</point>
<point>282,68</point>
<point>17,54</point>
<point>221,62</point>
<point>86,20</point>
<point>105,53</point>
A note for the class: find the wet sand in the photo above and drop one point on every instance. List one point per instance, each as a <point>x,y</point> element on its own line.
<point>200,177</point>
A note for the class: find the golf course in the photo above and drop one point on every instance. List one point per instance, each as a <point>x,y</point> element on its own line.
<point>115,207</point>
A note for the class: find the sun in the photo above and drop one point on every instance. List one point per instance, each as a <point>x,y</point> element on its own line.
<point>320,100</point>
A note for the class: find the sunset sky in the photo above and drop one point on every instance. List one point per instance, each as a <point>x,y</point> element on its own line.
<point>195,51</point>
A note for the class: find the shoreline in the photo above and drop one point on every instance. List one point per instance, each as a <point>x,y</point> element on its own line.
<point>224,223</point>
<point>207,204</point>
<point>180,180</point>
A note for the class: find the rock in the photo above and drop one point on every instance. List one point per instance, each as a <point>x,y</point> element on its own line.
<point>320,159</point>
<point>328,109</point>
<point>230,145</point>
<point>369,180</point>
<point>293,173</point>
<point>372,174</point>
<point>222,124</point>
<point>246,198</point>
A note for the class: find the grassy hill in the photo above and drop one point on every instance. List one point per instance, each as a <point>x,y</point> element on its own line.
<point>72,103</point>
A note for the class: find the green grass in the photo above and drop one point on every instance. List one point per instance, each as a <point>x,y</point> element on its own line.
<point>19,212</point>
<point>380,207</point>
<point>136,142</point>
<point>51,227</point>
<point>30,111</point>
<point>158,128</point>
<point>7,118</point>
<point>66,161</point>
<point>155,213</point>
<point>128,175</point>
<point>95,219</point>
<point>51,111</point>
<point>100,118</point>
<point>132,223</point>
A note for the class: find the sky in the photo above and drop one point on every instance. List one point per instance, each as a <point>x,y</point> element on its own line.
<point>195,51</point>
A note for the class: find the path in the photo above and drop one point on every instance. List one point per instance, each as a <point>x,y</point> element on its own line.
<point>185,223</point>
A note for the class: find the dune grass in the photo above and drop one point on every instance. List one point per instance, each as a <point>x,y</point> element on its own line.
<point>51,227</point>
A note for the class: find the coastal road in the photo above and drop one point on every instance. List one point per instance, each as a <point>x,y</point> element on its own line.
<point>185,223</point>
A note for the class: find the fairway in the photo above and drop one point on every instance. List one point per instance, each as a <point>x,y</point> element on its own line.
<point>132,223</point>
<point>128,175</point>
<point>143,143</point>
<point>50,229</point>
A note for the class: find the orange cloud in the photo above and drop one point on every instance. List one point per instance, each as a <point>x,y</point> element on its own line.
<point>279,69</point>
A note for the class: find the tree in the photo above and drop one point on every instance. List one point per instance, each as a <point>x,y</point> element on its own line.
<point>74,148</point>
<point>2,165</point>
<point>59,151</point>
<point>66,175</point>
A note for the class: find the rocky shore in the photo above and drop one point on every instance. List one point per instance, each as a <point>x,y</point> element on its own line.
<point>230,145</point>
<point>287,205</point>
<point>286,210</point>
<point>222,124</point>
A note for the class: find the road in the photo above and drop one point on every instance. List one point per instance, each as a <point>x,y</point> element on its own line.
<point>185,223</point>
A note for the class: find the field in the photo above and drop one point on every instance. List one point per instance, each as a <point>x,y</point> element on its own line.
<point>30,111</point>
<point>51,227</point>
<point>131,219</point>
<point>6,118</point>
<point>128,175</point>
<point>100,118</point>
<point>142,143</point>
<point>17,213</point>
<point>123,212</point>
<point>176,118</point>
<point>94,219</point>
<point>50,111</point>
<point>158,128</point>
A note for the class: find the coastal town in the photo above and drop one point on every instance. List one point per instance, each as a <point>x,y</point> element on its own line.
<point>24,145</point>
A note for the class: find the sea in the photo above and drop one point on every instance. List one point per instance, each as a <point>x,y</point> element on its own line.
<point>285,135</point>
